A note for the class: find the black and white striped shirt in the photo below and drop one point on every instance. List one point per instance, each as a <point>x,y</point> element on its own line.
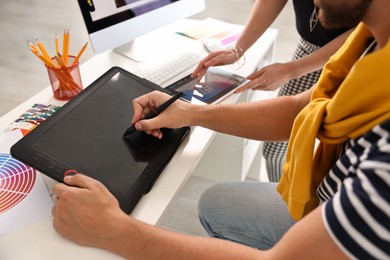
<point>356,196</point>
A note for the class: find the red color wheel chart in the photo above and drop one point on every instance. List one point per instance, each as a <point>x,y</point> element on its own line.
<point>16,181</point>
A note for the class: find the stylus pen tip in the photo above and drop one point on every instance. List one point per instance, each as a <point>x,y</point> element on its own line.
<point>130,130</point>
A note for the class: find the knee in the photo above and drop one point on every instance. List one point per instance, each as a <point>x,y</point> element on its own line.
<point>208,199</point>
<point>205,207</point>
<point>215,201</point>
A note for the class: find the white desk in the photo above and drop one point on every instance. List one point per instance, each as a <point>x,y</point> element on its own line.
<point>40,240</point>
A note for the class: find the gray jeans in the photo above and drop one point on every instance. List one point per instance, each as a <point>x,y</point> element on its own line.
<point>250,213</point>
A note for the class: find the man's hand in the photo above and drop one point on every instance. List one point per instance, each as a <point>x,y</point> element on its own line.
<point>85,211</point>
<point>175,116</point>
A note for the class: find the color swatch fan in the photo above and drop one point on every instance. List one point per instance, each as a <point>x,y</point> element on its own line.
<point>16,181</point>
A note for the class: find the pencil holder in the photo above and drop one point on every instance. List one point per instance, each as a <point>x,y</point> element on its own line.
<point>65,80</point>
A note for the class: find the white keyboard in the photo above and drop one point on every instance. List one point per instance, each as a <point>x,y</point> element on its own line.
<point>165,68</point>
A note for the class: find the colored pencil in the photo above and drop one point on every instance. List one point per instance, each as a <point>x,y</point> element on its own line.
<point>79,54</point>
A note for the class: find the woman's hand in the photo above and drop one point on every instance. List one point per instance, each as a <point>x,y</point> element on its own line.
<point>217,58</point>
<point>269,78</point>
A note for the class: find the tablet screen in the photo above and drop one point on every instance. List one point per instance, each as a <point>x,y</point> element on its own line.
<point>86,135</point>
<point>216,84</point>
<point>89,136</point>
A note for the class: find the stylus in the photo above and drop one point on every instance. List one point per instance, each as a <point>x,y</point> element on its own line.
<point>155,113</point>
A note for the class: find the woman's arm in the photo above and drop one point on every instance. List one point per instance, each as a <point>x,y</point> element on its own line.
<point>263,13</point>
<point>319,58</point>
<point>275,75</point>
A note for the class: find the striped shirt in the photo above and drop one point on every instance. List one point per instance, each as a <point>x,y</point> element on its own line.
<point>356,196</point>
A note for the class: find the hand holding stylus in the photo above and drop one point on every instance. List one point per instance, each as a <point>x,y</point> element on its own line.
<point>146,104</point>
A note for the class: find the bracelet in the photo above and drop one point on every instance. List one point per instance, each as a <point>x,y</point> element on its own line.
<point>239,53</point>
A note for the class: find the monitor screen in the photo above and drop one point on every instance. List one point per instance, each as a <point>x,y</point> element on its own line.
<point>113,23</point>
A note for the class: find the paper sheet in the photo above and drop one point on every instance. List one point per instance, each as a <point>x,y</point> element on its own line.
<point>24,198</point>
<point>227,33</point>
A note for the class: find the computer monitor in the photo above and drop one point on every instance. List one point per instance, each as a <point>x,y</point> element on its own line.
<point>120,23</point>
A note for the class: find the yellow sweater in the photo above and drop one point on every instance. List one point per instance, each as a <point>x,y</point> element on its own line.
<point>352,96</point>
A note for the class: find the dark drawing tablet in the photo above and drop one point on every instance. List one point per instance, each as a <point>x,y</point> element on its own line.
<point>86,135</point>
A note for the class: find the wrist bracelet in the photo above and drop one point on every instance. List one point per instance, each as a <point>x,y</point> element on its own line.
<point>239,53</point>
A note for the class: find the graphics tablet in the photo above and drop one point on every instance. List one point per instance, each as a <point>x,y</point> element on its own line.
<point>86,135</point>
<point>216,85</point>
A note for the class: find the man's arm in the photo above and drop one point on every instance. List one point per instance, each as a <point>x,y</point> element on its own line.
<point>307,239</point>
<point>270,119</point>
<point>89,215</point>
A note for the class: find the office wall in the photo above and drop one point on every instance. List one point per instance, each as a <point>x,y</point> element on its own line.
<point>22,74</point>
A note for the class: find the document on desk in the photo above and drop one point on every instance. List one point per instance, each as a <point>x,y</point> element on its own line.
<point>24,198</point>
<point>210,28</point>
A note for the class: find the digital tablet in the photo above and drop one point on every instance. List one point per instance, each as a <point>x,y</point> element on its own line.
<point>86,135</point>
<point>216,85</point>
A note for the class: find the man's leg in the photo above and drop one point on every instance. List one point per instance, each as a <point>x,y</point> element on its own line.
<point>250,213</point>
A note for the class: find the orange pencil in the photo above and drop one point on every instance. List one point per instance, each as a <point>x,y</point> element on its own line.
<point>56,43</point>
<point>65,77</point>
<point>42,48</point>
<point>46,61</point>
<point>65,47</point>
<point>32,47</point>
<point>60,60</point>
<point>79,54</point>
<point>35,51</point>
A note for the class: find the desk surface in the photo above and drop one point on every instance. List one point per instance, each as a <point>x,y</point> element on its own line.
<point>41,241</point>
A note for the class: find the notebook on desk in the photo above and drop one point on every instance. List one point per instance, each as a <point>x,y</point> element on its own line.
<point>86,135</point>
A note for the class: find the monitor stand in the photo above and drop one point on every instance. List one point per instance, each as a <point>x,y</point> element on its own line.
<point>146,47</point>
